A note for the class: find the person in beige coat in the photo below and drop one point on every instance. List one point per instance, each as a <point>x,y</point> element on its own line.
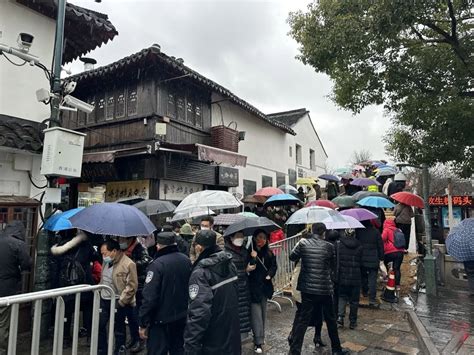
<point>119,272</point>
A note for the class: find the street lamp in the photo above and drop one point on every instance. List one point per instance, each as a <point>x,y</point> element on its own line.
<point>429,260</point>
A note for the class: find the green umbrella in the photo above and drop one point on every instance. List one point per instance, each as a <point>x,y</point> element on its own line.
<point>344,201</point>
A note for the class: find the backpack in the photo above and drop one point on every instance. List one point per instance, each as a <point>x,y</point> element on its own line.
<point>72,273</point>
<point>399,239</point>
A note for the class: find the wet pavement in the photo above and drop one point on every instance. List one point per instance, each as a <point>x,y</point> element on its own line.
<point>445,316</point>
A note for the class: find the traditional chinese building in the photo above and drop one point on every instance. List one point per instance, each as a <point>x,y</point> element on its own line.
<point>150,134</point>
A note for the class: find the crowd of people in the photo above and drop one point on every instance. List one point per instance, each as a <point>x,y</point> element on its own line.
<point>193,291</point>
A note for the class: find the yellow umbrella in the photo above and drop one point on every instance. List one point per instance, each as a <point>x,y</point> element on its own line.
<point>306,181</point>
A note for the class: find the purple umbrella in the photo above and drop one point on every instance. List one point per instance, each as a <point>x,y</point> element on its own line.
<point>354,223</point>
<point>360,214</point>
<point>364,182</point>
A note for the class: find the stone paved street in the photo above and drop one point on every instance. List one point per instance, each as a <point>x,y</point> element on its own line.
<point>379,332</point>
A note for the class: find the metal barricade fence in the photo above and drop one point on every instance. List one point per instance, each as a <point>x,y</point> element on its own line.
<point>58,294</point>
<point>282,279</point>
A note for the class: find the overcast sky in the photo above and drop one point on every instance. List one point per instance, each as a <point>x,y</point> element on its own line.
<point>244,46</point>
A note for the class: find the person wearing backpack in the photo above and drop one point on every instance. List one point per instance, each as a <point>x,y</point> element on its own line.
<point>394,250</point>
<point>403,215</point>
<point>71,261</point>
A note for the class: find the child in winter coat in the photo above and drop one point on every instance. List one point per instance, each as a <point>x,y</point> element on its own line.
<point>393,254</point>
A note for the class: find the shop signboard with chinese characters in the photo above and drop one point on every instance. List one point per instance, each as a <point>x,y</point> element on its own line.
<point>121,190</point>
<point>227,176</point>
<point>176,190</point>
<point>460,201</point>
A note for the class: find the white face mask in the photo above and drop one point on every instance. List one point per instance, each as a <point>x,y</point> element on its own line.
<point>238,242</point>
<point>205,228</point>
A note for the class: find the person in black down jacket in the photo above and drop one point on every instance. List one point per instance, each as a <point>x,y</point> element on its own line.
<point>349,264</point>
<point>139,255</point>
<point>65,254</point>
<point>317,260</point>
<point>241,259</point>
<point>213,315</point>
<point>165,301</point>
<point>14,259</point>
<point>261,287</point>
<point>372,254</point>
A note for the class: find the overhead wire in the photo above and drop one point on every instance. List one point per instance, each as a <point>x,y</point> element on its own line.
<point>11,61</point>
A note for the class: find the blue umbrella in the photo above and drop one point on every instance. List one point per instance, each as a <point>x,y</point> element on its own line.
<point>460,242</point>
<point>329,177</point>
<point>115,219</point>
<point>375,201</point>
<point>60,221</point>
<point>282,200</point>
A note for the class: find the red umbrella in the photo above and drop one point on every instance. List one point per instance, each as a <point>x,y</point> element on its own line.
<point>408,199</point>
<point>268,191</point>
<point>322,203</point>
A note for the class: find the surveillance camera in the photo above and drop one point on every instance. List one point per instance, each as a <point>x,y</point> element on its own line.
<point>79,104</point>
<point>25,40</point>
<point>70,87</point>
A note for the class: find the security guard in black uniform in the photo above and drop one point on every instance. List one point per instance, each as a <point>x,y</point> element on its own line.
<point>165,298</point>
<point>213,317</point>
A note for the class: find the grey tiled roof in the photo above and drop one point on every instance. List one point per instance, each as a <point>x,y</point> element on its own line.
<point>84,29</point>
<point>290,118</point>
<point>153,56</point>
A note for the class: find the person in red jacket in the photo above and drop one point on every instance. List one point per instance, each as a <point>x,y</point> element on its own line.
<point>392,253</point>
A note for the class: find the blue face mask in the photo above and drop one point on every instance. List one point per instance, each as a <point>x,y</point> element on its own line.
<point>108,260</point>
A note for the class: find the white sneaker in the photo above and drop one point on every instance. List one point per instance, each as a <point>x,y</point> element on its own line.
<point>258,350</point>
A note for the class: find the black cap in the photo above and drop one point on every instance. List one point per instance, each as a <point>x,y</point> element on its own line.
<point>166,238</point>
<point>206,238</point>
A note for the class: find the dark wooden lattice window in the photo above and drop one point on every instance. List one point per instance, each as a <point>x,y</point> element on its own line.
<point>132,101</point>
<point>171,106</point>
<point>189,112</point>
<point>198,112</point>
<point>90,118</point>
<point>120,104</point>
<point>100,109</point>
<point>110,106</point>
<point>181,113</point>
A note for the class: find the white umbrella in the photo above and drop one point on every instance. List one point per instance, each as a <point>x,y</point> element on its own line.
<point>315,214</point>
<point>208,199</point>
<point>192,213</point>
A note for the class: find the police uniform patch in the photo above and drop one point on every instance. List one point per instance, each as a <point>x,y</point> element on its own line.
<point>193,291</point>
<point>149,276</point>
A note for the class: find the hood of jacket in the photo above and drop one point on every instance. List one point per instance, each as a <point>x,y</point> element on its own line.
<point>219,263</point>
<point>15,229</point>
<point>61,249</point>
<point>389,224</point>
<point>350,242</point>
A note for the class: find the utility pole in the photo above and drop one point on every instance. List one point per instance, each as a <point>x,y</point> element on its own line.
<point>449,191</point>
<point>430,260</point>
<point>42,270</point>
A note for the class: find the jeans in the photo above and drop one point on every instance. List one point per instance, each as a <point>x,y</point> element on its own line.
<point>469,268</point>
<point>4,329</point>
<point>349,294</point>
<point>369,283</point>
<point>119,326</point>
<point>397,259</point>
<point>164,339</point>
<point>258,315</point>
<point>406,229</point>
<point>303,317</point>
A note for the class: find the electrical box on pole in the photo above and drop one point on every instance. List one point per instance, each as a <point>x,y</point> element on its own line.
<point>62,152</point>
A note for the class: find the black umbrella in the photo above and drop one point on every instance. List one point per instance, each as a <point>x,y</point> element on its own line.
<point>249,225</point>
<point>153,207</point>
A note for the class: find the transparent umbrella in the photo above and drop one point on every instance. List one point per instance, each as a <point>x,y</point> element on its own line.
<point>315,214</point>
<point>208,199</point>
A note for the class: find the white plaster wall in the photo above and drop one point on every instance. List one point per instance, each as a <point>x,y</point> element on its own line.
<point>307,138</point>
<point>14,179</point>
<point>18,85</point>
<point>265,146</point>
